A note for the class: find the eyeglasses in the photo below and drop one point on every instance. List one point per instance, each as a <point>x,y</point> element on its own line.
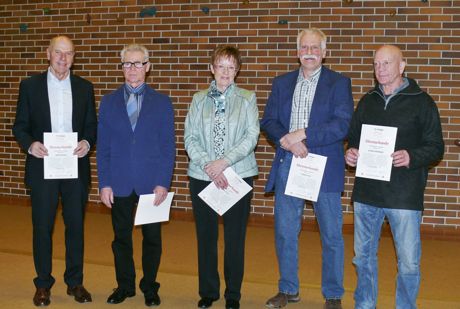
<point>223,68</point>
<point>136,64</point>
<point>383,64</point>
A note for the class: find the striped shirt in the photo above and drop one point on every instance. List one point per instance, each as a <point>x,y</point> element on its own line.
<point>302,100</point>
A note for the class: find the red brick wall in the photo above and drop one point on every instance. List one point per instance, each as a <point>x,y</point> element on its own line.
<point>180,37</point>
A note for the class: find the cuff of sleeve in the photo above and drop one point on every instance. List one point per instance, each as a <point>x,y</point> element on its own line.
<point>227,159</point>
<point>87,144</point>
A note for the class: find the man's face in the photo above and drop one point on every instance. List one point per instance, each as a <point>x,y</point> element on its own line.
<point>310,52</point>
<point>135,76</point>
<point>60,55</point>
<point>388,66</point>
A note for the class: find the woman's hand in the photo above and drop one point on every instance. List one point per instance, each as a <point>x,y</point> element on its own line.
<point>221,181</point>
<point>215,168</point>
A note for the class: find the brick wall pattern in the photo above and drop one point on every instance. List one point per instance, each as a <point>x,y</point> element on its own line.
<point>181,34</point>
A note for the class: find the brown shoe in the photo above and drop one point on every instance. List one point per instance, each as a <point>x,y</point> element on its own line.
<point>42,297</point>
<point>333,304</point>
<point>280,300</point>
<point>80,294</point>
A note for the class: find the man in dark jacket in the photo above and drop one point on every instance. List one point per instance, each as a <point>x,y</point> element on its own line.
<point>397,102</point>
<point>56,101</point>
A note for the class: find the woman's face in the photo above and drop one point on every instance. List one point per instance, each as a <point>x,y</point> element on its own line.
<point>224,71</point>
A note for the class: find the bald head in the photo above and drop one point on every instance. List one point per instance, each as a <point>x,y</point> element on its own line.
<point>60,54</point>
<point>391,50</point>
<point>61,39</point>
<point>389,67</point>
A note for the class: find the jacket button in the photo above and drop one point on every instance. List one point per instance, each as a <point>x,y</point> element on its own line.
<point>281,160</point>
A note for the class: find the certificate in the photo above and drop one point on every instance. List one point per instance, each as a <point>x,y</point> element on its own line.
<point>148,213</point>
<point>60,163</point>
<point>376,145</point>
<point>221,200</point>
<point>305,176</point>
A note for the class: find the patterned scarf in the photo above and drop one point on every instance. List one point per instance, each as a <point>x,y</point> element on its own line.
<point>219,99</point>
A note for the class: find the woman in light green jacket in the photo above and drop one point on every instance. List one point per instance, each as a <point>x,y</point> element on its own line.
<point>221,131</point>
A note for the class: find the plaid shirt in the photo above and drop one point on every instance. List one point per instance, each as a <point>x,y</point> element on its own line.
<point>302,100</point>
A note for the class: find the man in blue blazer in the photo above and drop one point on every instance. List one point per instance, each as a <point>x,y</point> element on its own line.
<point>56,101</point>
<point>135,156</point>
<point>309,110</point>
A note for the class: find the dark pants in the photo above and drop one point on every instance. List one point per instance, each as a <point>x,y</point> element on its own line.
<point>122,247</point>
<point>206,222</point>
<point>45,199</point>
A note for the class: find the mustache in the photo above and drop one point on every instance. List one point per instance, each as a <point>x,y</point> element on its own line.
<point>308,57</point>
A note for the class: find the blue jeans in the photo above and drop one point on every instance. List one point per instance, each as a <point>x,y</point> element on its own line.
<point>288,222</point>
<point>405,227</point>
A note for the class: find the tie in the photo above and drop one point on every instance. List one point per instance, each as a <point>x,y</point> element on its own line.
<point>132,109</point>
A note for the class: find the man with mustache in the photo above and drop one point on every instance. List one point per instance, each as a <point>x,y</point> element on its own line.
<point>309,110</point>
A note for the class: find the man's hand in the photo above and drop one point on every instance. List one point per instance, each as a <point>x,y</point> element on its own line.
<point>82,149</point>
<point>292,138</point>
<point>215,168</point>
<point>106,195</point>
<point>351,156</point>
<point>298,150</point>
<point>38,150</point>
<point>400,158</point>
<point>160,195</point>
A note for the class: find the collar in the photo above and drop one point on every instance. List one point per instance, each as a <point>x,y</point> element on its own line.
<point>138,90</point>
<point>52,78</point>
<point>404,85</point>
<point>313,77</point>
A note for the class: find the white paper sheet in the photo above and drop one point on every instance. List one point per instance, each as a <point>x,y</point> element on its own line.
<point>148,213</point>
<point>305,176</point>
<point>376,145</point>
<point>60,163</point>
<point>222,200</point>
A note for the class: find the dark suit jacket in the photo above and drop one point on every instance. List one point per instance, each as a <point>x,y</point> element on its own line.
<point>138,160</point>
<point>330,117</point>
<point>33,118</point>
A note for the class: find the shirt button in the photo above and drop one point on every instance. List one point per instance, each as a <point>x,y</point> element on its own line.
<point>281,160</point>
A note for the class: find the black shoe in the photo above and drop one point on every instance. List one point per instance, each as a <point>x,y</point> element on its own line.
<point>232,304</point>
<point>80,294</point>
<point>119,295</point>
<point>205,302</point>
<point>333,304</point>
<point>153,300</point>
<point>42,297</point>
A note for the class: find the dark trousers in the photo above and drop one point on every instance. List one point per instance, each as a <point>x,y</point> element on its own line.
<point>206,222</point>
<point>45,199</point>
<point>122,247</point>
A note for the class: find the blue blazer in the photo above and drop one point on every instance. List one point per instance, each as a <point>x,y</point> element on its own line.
<point>330,117</point>
<point>138,160</point>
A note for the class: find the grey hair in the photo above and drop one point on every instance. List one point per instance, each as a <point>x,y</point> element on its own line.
<point>315,31</point>
<point>134,48</point>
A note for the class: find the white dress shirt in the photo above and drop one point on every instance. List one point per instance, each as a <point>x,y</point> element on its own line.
<point>60,98</point>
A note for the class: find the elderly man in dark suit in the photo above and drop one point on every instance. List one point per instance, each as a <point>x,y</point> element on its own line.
<point>309,110</point>
<point>56,101</point>
<point>135,156</point>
